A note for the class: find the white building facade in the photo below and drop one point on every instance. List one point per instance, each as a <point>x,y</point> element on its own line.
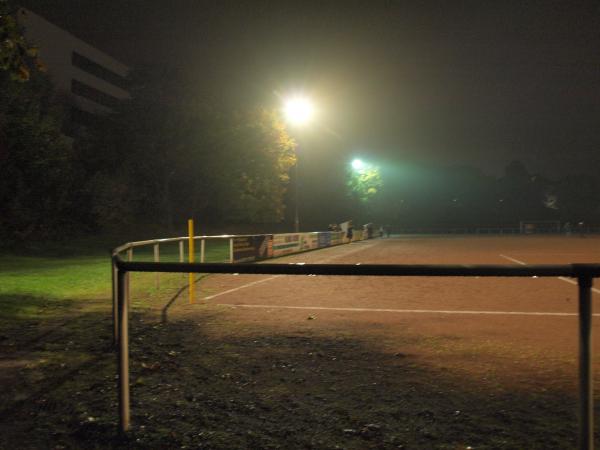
<point>93,81</point>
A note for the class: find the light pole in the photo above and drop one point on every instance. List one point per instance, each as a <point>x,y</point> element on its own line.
<point>296,183</point>
<point>298,112</point>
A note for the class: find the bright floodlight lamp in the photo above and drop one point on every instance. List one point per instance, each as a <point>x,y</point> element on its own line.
<point>298,110</point>
<point>358,164</point>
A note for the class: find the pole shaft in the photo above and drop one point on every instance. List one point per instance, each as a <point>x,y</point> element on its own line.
<point>123,354</point>
<point>191,286</point>
<point>128,278</point>
<point>157,259</point>
<point>586,389</point>
<point>296,188</point>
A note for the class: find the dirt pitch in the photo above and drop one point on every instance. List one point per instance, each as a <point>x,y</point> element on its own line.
<point>340,362</point>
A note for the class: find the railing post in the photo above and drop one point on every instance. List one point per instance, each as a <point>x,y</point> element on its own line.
<point>231,250</point>
<point>202,249</point>
<point>123,353</point>
<point>586,389</point>
<point>128,277</point>
<point>181,252</point>
<point>115,302</point>
<point>157,259</point>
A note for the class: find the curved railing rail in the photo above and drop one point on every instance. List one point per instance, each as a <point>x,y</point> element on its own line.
<point>155,243</point>
<point>301,242</point>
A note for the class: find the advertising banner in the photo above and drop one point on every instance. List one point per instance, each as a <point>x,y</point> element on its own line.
<point>309,241</point>
<point>284,244</point>
<point>252,248</point>
<point>336,238</point>
<point>324,239</point>
<point>265,246</point>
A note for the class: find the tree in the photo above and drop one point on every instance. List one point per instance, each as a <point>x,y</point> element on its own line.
<point>578,198</point>
<point>525,196</point>
<point>250,155</point>
<point>364,183</point>
<point>38,174</point>
<point>37,188</point>
<point>17,57</point>
<point>364,188</point>
<point>170,156</point>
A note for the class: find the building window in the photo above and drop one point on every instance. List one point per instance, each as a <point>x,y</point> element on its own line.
<point>97,70</point>
<point>93,94</point>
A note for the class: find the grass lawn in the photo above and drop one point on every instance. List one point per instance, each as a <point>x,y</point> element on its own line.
<point>55,339</point>
<point>34,285</point>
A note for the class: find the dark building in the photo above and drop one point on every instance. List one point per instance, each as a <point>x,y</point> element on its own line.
<point>92,81</point>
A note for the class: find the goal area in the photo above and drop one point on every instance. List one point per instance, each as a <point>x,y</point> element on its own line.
<point>539,226</point>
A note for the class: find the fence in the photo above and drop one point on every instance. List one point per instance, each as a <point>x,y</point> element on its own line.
<point>584,273</point>
<point>242,248</point>
<point>494,230</point>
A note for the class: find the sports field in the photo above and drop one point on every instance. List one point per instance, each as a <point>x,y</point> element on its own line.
<point>502,338</point>
<point>298,362</point>
<point>531,315</point>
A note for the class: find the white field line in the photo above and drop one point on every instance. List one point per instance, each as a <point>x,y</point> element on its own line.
<point>565,279</point>
<point>409,311</point>
<point>229,291</point>
<point>244,286</point>
<point>514,260</point>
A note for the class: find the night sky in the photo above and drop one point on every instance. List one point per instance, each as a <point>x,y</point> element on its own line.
<point>477,83</point>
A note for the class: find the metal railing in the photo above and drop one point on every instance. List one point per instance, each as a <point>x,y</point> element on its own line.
<point>584,273</point>
<point>155,243</point>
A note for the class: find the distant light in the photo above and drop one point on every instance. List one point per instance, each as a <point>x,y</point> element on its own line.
<point>298,110</point>
<point>358,164</point>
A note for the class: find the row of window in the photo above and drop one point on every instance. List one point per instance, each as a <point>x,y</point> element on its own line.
<point>93,94</point>
<point>99,71</point>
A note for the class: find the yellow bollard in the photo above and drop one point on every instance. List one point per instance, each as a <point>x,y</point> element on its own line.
<point>191,259</point>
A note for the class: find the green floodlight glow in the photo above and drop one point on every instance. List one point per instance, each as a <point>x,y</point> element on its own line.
<point>364,180</point>
<point>358,164</point>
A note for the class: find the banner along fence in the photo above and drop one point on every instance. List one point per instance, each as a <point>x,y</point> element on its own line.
<point>290,243</point>
<point>584,273</point>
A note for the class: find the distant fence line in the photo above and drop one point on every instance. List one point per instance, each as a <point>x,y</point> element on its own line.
<point>493,230</point>
<point>250,247</point>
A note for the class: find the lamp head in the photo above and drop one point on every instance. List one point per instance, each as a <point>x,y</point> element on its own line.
<point>298,110</point>
<point>358,164</point>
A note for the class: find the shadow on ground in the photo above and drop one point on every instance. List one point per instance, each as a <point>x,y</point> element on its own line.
<point>289,391</point>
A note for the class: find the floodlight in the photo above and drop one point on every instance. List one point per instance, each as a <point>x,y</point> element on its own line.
<point>358,164</point>
<point>298,110</point>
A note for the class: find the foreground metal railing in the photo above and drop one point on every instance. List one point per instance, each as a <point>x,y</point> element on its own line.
<point>584,273</point>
